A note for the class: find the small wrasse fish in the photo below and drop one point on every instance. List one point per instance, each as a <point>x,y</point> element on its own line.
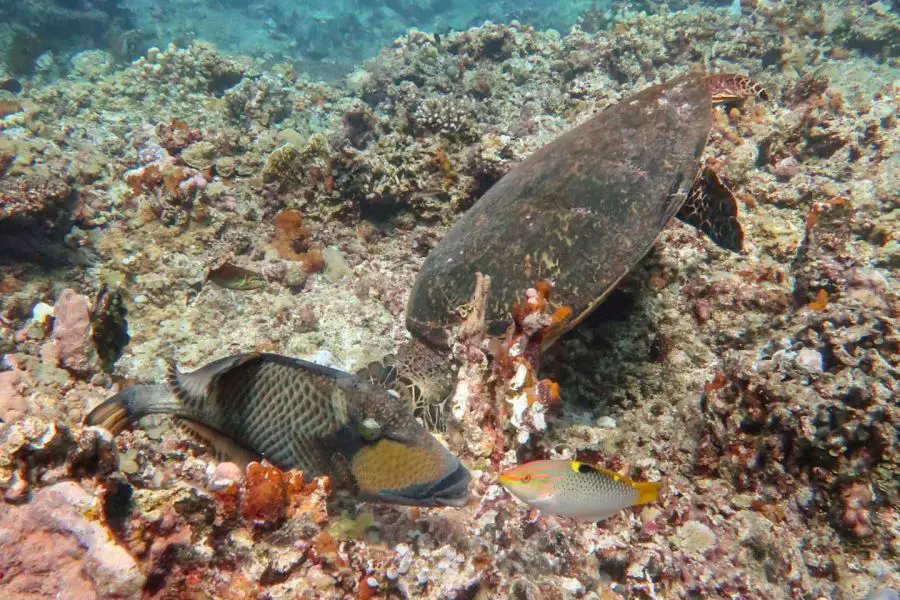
<point>576,490</point>
<point>298,414</point>
<point>232,277</point>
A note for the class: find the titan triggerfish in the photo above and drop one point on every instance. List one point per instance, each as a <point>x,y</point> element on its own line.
<point>298,414</point>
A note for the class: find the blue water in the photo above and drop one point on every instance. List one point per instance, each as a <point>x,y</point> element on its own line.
<point>328,37</point>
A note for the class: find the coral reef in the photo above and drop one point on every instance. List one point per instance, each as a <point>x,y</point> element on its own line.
<point>761,387</point>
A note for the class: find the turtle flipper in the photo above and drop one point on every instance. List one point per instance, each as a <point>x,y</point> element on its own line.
<point>380,372</point>
<point>711,208</point>
<point>419,376</point>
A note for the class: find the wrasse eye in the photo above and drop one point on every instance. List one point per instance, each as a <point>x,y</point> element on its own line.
<point>526,479</point>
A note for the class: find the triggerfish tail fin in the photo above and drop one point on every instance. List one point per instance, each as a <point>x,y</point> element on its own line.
<point>647,492</point>
<point>130,405</point>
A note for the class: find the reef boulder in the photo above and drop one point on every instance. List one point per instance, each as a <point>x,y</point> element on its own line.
<point>55,547</point>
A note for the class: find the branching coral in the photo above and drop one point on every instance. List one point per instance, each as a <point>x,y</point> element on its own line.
<point>446,116</point>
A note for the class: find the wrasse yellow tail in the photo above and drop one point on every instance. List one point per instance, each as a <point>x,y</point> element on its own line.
<point>647,492</point>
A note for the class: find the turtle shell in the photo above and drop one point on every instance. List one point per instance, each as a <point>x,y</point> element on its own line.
<point>580,212</point>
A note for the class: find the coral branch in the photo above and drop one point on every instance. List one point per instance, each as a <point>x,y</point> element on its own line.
<point>508,400</point>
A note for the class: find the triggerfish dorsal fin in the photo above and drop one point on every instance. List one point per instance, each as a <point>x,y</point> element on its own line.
<point>193,387</point>
<point>223,447</point>
<point>216,370</point>
<point>173,380</point>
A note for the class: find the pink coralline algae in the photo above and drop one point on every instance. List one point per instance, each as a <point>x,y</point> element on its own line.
<point>57,547</point>
<point>72,332</point>
<point>855,515</point>
<point>12,402</point>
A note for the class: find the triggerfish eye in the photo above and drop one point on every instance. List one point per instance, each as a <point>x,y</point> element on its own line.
<point>370,429</point>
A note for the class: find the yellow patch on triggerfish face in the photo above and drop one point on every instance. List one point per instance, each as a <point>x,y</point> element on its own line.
<point>390,465</point>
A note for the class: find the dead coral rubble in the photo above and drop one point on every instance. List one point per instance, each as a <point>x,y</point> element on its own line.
<point>35,453</point>
<point>815,413</point>
<point>509,400</point>
<point>43,194</point>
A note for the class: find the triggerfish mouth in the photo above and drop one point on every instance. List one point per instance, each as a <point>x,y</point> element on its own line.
<point>576,490</point>
<point>300,415</point>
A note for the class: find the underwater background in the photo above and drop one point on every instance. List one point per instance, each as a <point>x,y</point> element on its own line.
<point>328,38</point>
<point>189,179</point>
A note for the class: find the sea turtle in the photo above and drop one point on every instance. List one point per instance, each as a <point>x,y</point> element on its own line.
<point>580,212</point>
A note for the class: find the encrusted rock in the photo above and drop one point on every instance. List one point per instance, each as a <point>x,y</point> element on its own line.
<point>809,360</point>
<point>200,155</point>
<point>55,547</point>
<point>34,450</point>
<point>72,332</point>
<point>12,403</point>
<point>695,538</point>
<point>28,195</point>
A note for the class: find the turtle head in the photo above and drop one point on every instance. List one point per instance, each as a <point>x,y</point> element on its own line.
<point>733,88</point>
